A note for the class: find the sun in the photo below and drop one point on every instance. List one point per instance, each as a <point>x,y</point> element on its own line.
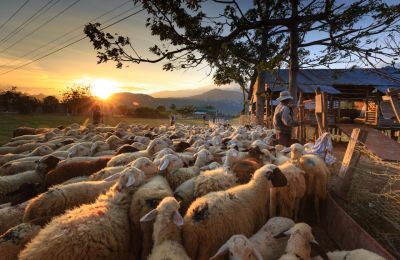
<point>103,88</point>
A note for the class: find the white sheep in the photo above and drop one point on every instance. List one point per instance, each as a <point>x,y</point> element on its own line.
<point>261,245</point>
<point>288,198</point>
<point>280,157</point>
<point>99,230</point>
<point>166,234</point>
<point>105,173</point>
<point>299,244</point>
<point>78,150</point>
<point>238,210</point>
<point>146,165</point>
<point>144,200</point>
<point>357,254</point>
<point>99,146</point>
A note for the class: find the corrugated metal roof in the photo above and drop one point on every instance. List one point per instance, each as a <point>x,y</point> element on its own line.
<point>332,77</point>
<point>308,88</point>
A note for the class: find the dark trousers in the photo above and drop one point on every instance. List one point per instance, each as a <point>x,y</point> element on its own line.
<point>284,139</point>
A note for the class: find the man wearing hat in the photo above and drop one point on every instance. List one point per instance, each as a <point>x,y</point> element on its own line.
<point>283,119</point>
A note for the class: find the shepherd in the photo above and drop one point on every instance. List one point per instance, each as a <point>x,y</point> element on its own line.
<point>97,116</point>
<point>283,120</point>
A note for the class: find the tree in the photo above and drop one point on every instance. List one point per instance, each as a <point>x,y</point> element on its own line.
<point>186,110</point>
<point>77,98</point>
<point>50,104</point>
<point>172,107</point>
<point>345,32</point>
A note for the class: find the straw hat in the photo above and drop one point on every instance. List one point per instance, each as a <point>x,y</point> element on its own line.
<point>284,95</point>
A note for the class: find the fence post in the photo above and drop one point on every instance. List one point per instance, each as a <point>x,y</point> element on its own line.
<point>349,164</point>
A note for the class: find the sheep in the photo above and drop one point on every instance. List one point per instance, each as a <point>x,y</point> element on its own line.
<point>99,146</point>
<point>184,193</point>
<point>244,169</point>
<point>300,241</point>
<point>15,239</point>
<point>114,142</point>
<point>6,149</point>
<point>239,210</point>
<point>39,151</point>
<point>146,165</point>
<point>99,230</point>
<point>288,197</point>
<point>78,150</point>
<point>144,200</point>
<point>58,199</point>
<point>280,158</point>
<point>12,167</point>
<point>11,216</point>
<point>126,148</point>
<point>316,174</point>
<point>105,173</point>
<point>211,166</point>
<point>23,130</point>
<point>75,169</point>
<point>357,254</point>
<point>29,182</point>
<point>181,146</point>
<point>261,245</point>
<point>166,233</point>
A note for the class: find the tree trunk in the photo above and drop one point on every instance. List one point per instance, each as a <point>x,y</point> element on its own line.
<point>252,82</point>
<point>293,51</point>
<point>260,99</point>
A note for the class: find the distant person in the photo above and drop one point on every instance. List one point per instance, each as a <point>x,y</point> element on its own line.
<point>204,118</point>
<point>97,116</point>
<point>283,120</point>
<point>173,120</point>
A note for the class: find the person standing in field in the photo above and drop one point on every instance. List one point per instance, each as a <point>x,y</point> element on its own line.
<point>97,116</point>
<point>283,120</point>
<point>173,120</point>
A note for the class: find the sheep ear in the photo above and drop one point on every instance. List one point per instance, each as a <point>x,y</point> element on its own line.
<point>164,165</point>
<point>284,233</point>
<point>221,251</point>
<point>178,220</point>
<point>112,177</point>
<point>286,150</point>
<point>131,180</point>
<point>149,216</point>
<point>277,178</point>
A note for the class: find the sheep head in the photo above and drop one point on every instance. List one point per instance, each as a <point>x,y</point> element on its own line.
<point>296,151</point>
<point>168,207</point>
<point>99,146</point>
<point>156,145</point>
<point>146,165</point>
<point>202,157</point>
<point>239,247</point>
<point>272,173</point>
<point>129,178</point>
<point>170,162</point>
<point>78,150</point>
<point>41,150</point>
<point>46,164</point>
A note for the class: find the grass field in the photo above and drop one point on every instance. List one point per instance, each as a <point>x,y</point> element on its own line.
<point>9,122</point>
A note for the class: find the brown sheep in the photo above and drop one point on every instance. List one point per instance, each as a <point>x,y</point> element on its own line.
<point>23,130</point>
<point>244,169</point>
<point>126,148</point>
<point>75,169</point>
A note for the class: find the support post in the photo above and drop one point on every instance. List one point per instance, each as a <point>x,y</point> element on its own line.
<point>321,111</point>
<point>350,161</point>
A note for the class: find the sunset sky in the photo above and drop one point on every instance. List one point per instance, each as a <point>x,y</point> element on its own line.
<point>78,63</point>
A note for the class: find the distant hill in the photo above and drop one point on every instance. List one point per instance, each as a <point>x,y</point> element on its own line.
<point>226,101</point>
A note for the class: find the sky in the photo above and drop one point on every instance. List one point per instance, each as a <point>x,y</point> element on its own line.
<point>78,63</point>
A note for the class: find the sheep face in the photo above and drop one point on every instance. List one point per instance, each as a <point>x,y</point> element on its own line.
<point>168,207</point>
<point>129,178</point>
<point>170,162</point>
<point>204,156</point>
<point>239,247</point>
<point>78,150</point>
<point>272,173</point>
<point>162,153</point>
<point>156,145</point>
<point>146,165</point>
<point>296,151</point>
<point>46,164</point>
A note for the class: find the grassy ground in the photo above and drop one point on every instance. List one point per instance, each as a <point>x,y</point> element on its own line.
<point>9,122</point>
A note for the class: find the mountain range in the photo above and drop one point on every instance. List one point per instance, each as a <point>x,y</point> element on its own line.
<point>225,101</point>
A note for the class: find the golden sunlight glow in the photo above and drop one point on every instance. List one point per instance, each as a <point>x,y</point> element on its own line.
<point>104,88</point>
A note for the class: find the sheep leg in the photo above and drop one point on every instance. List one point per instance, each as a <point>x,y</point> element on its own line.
<point>272,204</point>
<point>317,211</point>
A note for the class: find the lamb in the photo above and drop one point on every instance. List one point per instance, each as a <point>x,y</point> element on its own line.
<point>261,245</point>
<point>166,234</point>
<point>29,182</point>
<point>11,216</point>
<point>75,169</point>
<point>316,174</point>
<point>144,200</point>
<point>239,210</point>
<point>58,199</point>
<point>358,254</point>
<point>300,241</point>
<point>288,198</point>
<point>99,230</point>
<point>15,239</point>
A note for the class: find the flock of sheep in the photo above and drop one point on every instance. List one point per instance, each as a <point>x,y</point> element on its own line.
<point>138,192</point>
